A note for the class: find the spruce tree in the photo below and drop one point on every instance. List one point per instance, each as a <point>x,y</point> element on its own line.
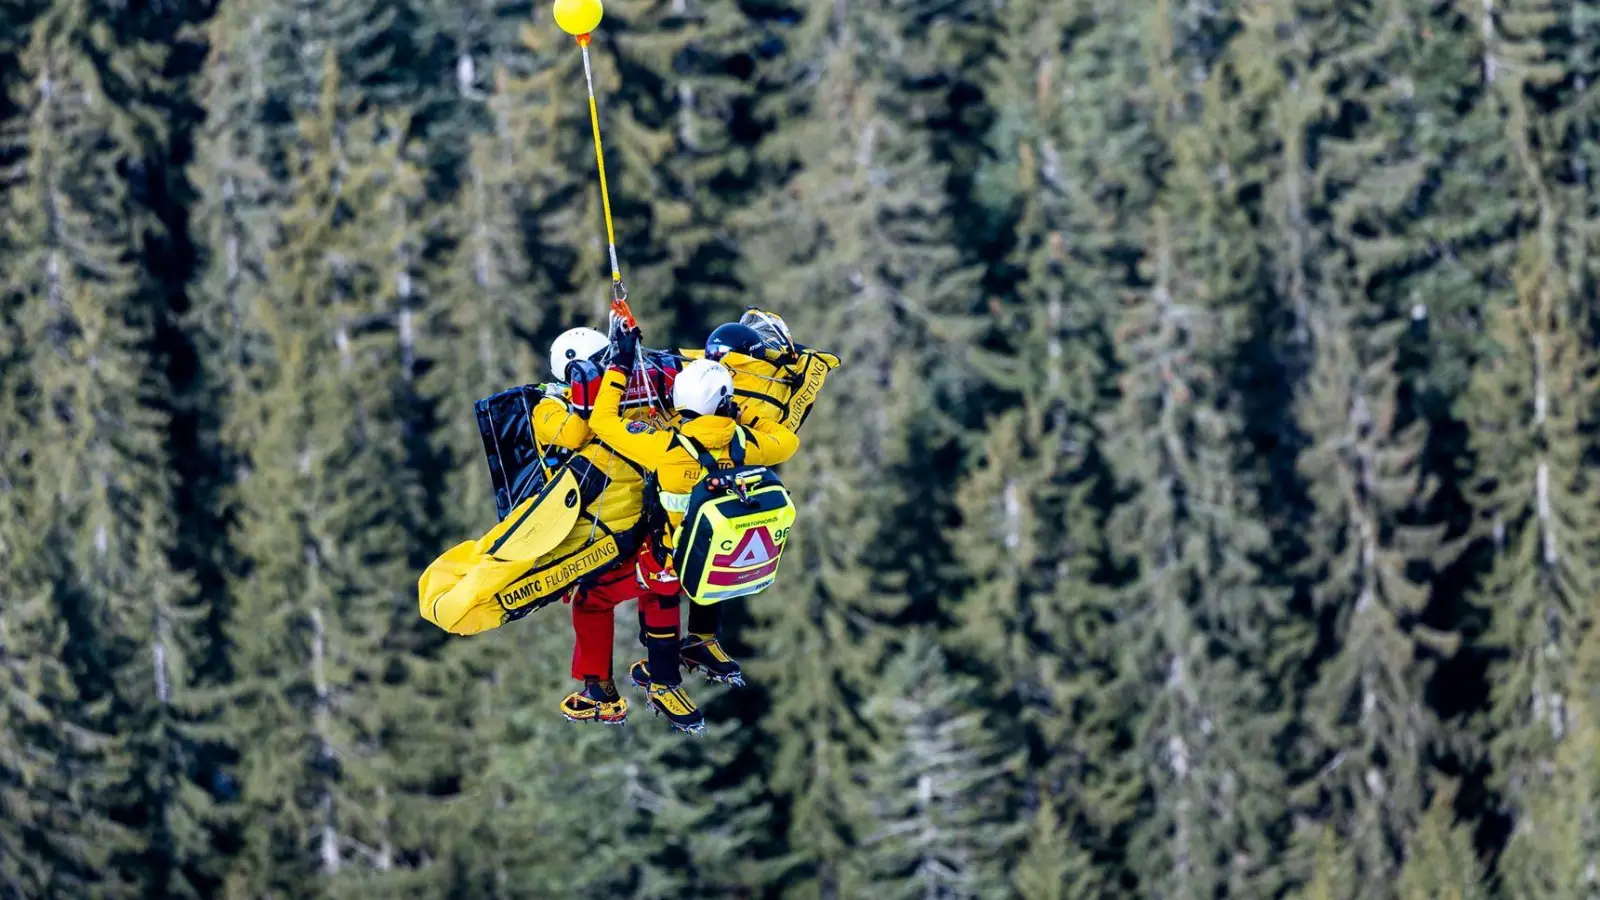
<point>1040,623</point>
<point>1205,631</point>
<point>1532,406</point>
<point>493,288</point>
<point>1205,647</point>
<point>1371,411</point>
<point>662,91</point>
<point>324,505</point>
<point>524,246</point>
<point>685,126</point>
<point>1532,409</point>
<point>703,828</point>
<point>56,835</point>
<point>91,456</point>
<point>1332,873</point>
<point>1040,607</point>
<point>1551,849</point>
<point>236,174</point>
<point>491,293</point>
<point>1040,463</point>
<point>1054,864</point>
<point>318,243</point>
<point>526,249</point>
<point>859,234</point>
<point>545,805</point>
<point>1441,860</point>
<point>1370,724</point>
<point>465,51</point>
<point>934,812</point>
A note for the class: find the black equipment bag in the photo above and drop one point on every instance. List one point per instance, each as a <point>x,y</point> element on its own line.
<point>506,422</point>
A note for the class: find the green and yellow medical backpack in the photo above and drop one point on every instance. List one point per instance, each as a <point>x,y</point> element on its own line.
<point>734,529</point>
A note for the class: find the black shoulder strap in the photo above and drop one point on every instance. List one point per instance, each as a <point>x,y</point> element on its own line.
<point>625,460</point>
<point>699,452</point>
<point>736,449</point>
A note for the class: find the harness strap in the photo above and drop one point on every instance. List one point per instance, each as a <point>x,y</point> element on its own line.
<point>782,405</point>
<point>736,449</point>
<point>697,450</point>
<point>625,460</point>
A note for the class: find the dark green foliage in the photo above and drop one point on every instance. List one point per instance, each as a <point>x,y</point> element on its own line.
<point>104,627</point>
<point>933,815</point>
<point>1205,506</point>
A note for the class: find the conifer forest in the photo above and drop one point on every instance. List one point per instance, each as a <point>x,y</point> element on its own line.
<point>1207,505</point>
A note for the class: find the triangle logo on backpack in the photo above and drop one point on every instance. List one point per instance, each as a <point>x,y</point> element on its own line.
<point>756,548</point>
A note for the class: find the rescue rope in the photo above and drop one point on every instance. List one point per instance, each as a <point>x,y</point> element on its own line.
<point>619,291</point>
<point>655,404</point>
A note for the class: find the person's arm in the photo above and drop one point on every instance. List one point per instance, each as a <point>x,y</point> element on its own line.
<point>640,442</point>
<point>557,423</point>
<point>767,443</point>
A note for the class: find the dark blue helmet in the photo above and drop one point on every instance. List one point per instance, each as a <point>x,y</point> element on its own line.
<point>734,338</point>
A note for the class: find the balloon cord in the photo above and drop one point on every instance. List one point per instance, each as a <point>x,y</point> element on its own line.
<point>619,293</point>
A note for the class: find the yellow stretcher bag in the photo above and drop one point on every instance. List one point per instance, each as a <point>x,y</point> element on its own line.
<point>734,530</point>
<point>538,523</point>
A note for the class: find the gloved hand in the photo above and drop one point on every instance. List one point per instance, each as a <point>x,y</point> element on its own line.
<point>625,349</point>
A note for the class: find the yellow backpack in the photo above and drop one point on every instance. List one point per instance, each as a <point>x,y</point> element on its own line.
<point>734,530</point>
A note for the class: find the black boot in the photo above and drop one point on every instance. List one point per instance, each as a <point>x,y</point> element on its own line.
<point>658,653</point>
<point>702,651</point>
<point>658,677</point>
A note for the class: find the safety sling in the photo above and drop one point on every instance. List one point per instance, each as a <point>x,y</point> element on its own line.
<point>735,526</point>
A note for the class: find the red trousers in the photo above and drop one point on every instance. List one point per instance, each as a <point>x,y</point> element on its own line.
<point>594,619</point>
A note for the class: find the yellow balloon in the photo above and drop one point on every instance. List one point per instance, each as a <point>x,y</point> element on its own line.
<point>578,16</point>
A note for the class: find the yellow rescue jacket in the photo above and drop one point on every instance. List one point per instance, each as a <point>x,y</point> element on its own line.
<point>777,391</point>
<point>767,443</point>
<point>613,487</point>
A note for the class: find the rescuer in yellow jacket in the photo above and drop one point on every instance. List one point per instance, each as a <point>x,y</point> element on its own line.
<point>583,522</point>
<point>773,377</point>
<point>705,412</point>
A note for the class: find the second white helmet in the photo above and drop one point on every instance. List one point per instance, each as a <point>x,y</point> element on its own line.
<point>701,387</point>
<point>574,344</point>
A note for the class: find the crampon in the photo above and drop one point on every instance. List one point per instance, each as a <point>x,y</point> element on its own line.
<point>592,705</point>
<point>709,659</point>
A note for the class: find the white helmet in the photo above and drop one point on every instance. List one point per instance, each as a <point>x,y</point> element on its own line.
<point>701,387</point>
<point>574,344</point>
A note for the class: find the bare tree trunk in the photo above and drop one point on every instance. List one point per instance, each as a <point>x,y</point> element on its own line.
<point>322,724</point>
